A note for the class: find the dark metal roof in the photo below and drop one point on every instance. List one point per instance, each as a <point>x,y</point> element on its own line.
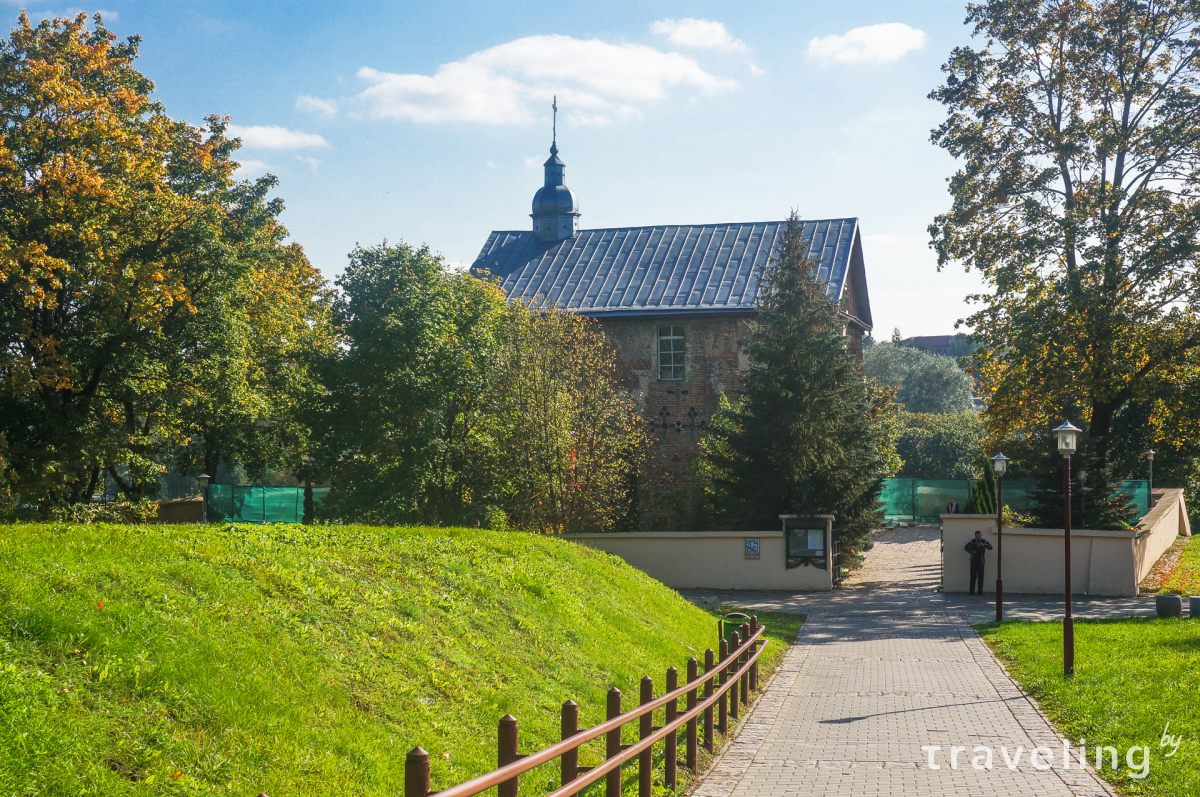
<point>665,269</point>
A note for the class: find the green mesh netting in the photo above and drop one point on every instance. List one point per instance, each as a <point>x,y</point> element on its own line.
<point>924,500</point>
<point>259,504</point>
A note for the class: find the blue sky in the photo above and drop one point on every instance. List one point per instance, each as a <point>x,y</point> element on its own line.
<point>428,122</point>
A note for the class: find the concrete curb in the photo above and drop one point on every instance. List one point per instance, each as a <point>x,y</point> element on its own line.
<point>1029,715</point>
<point>735,758</point>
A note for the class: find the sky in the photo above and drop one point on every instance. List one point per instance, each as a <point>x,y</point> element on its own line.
<point>428,122</point>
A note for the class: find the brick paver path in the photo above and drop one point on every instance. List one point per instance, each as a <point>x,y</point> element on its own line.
<point>881,670</point>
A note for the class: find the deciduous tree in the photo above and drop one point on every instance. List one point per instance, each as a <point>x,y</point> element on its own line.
<point>119,228</point>
<point>570,440</point>
<point>1078,128</point>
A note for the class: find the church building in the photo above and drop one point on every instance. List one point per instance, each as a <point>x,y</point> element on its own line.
<point>673,299</point>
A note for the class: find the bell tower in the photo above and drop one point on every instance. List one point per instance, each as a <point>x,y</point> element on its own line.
<point>555,208</point>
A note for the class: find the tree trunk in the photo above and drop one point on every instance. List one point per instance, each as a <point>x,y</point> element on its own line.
<point>1099,429</point>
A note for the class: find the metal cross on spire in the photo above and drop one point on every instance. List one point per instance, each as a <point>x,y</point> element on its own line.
<point>554,125</point>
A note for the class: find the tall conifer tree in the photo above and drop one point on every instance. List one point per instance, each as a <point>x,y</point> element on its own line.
<point>809,435</point>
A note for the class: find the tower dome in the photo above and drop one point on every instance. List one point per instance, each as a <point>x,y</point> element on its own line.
<point>555,208</point>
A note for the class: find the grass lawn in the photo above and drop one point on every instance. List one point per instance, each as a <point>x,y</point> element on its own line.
<point>238,659</point>
<point>1186,578</point>
<point>1132,677</point>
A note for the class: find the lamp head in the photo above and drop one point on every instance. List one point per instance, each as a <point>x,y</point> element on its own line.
<point>1000,464</point>
<point>1150,455</point>
<point>1067,435</point>
<point>203,478</point>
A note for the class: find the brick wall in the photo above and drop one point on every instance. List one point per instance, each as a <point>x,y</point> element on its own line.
<point>714,361</point>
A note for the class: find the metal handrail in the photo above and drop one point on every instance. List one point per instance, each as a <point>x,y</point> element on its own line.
<point>734,669</point>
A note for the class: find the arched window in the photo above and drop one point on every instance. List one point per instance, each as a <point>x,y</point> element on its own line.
<point>670,353</point>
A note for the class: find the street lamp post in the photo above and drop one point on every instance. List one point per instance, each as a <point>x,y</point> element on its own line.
<point>1067,435</point>
<point>203,478</point>
<point>999,464</point>
<point>1150,460</point>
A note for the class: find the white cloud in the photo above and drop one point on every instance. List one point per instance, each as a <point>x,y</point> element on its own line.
<point>307,102</point>
<point>248,168</point>
<point>878,44</point>
<point>275,137</point>
<point>755,70</point>
<point>698,34</point>
<point>313,163</point>
<point>533,162</point>
<point>598,82</point>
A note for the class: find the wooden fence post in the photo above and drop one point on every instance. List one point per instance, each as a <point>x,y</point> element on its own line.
<point>506,753</point>
<point>645,728</point>
<point>709,663</point>
<point>693,754</point>
<point>612,745</point>
<point>671,755</point>
<point>754,666</point>
<point>744,678</point>
<point>569,726</point>
<point>723,700</point>
<point>416,773</point>
<point>734,642</point>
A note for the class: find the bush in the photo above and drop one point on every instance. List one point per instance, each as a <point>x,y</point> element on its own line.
<point>107,512</point>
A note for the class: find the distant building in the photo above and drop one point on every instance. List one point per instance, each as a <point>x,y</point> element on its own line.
<point>934,344</point>
<point>673,299</point>
<point>955,346</point>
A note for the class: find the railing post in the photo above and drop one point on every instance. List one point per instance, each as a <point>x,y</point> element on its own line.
<point>645,728</point>
<point>754,665</point>
<point>709,664</point>
<point>416,773</point>
<point>693,754</point>
<point>612,745</point>
<point>723,700</point>
<point>569,761</point>
<point>506,753</point>
<point>744,678</point>
<point>671,755</point>
<point>735,640</point>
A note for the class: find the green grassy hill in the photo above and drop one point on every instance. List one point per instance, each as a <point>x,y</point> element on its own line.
<point>300,661</point>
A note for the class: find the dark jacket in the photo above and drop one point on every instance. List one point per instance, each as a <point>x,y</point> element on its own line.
<point>977,548</point>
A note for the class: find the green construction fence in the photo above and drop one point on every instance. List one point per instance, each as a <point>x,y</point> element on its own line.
<point>924,500</point>
<point>259,504</point>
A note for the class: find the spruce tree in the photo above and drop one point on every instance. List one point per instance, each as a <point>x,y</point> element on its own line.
<point>808,435</point>
<point>1097,505</point>
<point>982,500</point>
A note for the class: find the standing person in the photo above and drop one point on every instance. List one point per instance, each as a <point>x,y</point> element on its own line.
<point>977,547</point>
<point>953,508</point>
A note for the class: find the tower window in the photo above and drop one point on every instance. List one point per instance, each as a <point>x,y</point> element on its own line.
<point>670,353</point>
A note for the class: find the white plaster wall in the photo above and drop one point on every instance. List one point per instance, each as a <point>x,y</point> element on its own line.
<point>710,559</point>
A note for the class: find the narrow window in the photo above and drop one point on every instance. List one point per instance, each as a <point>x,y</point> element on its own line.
<point>670,353</point>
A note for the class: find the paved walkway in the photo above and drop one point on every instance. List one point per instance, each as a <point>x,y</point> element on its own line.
<point>882,669</point>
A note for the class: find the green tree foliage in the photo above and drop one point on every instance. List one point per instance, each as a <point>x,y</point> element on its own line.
<point>1078,125</point>
<point>448,406</point>
<point>982,500</point>
<point>924,382</point>
<point>1094,505</point>
<point>809,434</point>
<point>568,437</point>
<point>405,432</point>
<point>123,236</point>
<point>939,446</point>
